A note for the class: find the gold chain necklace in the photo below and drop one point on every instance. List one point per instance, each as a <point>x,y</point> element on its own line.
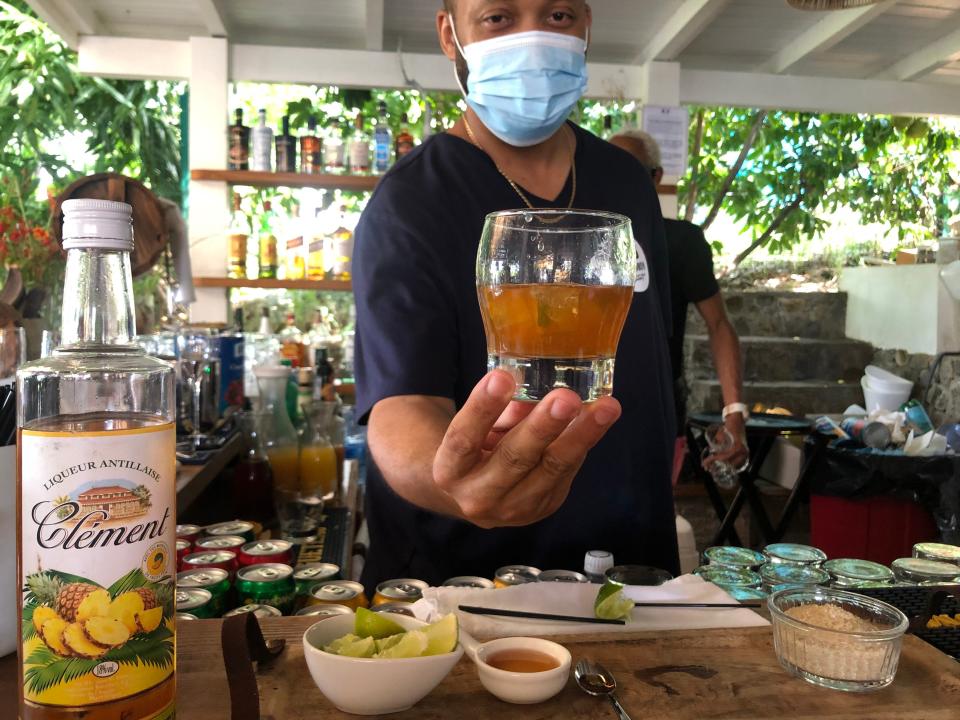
<point>573,170</point>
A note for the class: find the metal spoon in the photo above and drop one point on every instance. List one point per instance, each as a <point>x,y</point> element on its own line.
<point>594,679</point>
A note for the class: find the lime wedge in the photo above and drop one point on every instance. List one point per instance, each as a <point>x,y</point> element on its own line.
<point>362,648</point>
<point>335,645</point>
<point>411,644</point>
<point>388,642</point>
<point>611,604</point>
<point>442,635</point>
<point>375,625</point>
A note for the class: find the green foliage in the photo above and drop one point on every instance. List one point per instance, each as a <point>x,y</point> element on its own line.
<point>804,166</point>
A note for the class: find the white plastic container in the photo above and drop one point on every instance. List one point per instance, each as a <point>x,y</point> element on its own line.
<point>877,399</point>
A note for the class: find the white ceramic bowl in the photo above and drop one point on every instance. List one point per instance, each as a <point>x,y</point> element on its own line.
<point>875,399</point>
<point>885,380</point>
<point>367,686</point>
<point>522,687</point>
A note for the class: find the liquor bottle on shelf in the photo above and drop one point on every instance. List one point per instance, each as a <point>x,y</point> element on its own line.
<point>382,142</point>
<point>268,242</point>
<point>239,233</point>
<point>323,371</point>
<point>291,342</point>
<point>286,148</point>
<point>404,142</point>
<point>342,257</point>
<point>311,150</point>
<point>607,127</point>
<point>359,148</point>
<point>295,257</point>
<point>261,155</point>
<point>333,149</point>
<point>239,153</point>
<point>104,409</point>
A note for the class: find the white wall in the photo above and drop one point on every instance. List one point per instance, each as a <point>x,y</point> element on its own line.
<point>901,307</point>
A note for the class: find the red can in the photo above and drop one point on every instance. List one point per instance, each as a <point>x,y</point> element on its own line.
<point>223,559</point>
<point>184,548</point>
<point>189,532</point>
<point>233,543</point>
<point>266,551</point>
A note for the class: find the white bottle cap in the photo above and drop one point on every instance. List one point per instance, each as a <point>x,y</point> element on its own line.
<point>596,562</point>
<point>102,224</point>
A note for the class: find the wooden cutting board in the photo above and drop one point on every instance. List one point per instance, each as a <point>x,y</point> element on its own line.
<point>680,675</point>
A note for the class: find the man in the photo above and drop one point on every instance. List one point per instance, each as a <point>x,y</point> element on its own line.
<point>464,480</point>
<point>692,281</point>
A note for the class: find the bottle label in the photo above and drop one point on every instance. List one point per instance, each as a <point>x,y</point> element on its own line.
<point>359,156</point>
<point>97,570</point>
<point>238,248</point>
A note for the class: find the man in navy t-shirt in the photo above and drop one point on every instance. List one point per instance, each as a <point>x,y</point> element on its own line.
<point>464,480</point>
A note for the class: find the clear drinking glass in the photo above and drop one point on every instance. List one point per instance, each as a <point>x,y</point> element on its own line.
<point>719,439</point>
<point>554,288</point>
<point>195,358</point>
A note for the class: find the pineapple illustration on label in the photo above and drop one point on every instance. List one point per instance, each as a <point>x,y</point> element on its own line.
<point>98,610</point>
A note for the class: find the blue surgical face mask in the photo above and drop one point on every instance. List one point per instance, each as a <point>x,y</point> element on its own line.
<point>523,86</point>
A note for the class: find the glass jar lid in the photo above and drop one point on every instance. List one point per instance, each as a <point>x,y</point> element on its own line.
<point>794,554</point>
<point>917,570</point>
<point>736,557</point>
<point>779,574</point>
<point>937,551</point>
<point>727,577</point>
<point>747,593</point>
<point>849,570</point>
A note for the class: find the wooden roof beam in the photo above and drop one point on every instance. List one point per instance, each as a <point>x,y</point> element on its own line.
<point>834,27</point>
<point>933,56</point>
<point>680,29</point>
<point>374,24</point>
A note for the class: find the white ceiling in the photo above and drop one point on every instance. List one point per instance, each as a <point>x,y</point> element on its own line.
<point>897,39</point>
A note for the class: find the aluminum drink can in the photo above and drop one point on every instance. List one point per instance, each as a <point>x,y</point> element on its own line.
<point>261,611</point>
<point>322,611</point>
<point>338,592</point>
<point>184,616</point>
<point>214,580</point>
<point>184,548</point>
<point>233,543</point>
<point>394,608</point>
<point>189,532</point>
<point>469,581</point>
<point>243,528</point>
<point>266,551</point>
<point>266,584</point>
<point>195,601</point>
<point>402,590</point>
<point>565,576</point>
<point>223,559</point>
<point>305,577</point>
<point>515,575</point>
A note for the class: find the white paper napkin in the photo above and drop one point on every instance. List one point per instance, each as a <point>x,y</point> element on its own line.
<point>577,599</point>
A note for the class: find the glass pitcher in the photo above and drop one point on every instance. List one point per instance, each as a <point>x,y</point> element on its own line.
<point>318,458</point>
<point>252,486</point>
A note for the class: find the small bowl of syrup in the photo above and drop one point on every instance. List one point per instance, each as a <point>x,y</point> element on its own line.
<point>522,670</point>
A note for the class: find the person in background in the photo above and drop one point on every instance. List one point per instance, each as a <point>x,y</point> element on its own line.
<point>463,480</point>
<point>692,281</point>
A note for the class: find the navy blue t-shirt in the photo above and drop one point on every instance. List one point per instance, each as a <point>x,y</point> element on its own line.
<point>419,332</point>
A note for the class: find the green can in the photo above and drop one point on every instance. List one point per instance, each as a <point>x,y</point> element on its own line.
<point>246,530</point>
<point>215,580</point>
<point>306,576</point>
<point>267,584</point>
<point>195,601</point>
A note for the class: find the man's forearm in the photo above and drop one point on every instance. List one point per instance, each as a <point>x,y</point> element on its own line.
<point>725,347</point>
<point>404,434</point>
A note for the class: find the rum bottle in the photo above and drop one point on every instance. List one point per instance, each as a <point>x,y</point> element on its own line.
<point>311,150</point>
<point>286,148</point>
<point>261,156</point>
<point>359,148</point>
<point>97,496</point>
<point>238,157</point>
<point>268,242</point>
<point>382,142</point>
<point>239,233</point>
<point>404,142</point>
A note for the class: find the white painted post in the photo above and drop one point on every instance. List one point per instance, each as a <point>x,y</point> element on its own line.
<point>662,88</point>
<point>208,149</point>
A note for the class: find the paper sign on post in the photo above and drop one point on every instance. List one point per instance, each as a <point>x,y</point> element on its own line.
<point>669,127</point>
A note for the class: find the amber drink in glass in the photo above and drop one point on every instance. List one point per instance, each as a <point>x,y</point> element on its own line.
<point>554,288</point>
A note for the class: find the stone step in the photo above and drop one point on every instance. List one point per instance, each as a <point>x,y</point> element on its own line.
<point>775,358</point>
<point>804,397</point>
<point>781,314</point>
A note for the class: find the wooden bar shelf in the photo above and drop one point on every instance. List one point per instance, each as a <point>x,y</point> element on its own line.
<point>317,285</point>
<point>283,179</point>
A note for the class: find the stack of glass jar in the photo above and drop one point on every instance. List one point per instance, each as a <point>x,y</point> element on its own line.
<point>750,575</point>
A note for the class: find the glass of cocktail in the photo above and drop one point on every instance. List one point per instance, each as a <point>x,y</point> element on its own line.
<point>555,287</point>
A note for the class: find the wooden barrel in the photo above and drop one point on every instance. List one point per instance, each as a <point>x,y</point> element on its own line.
<point>149,231</point>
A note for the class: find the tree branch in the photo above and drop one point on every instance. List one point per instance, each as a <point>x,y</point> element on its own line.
<point>694,166</point>
<point>732,174</point>
<point>777,221</point>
